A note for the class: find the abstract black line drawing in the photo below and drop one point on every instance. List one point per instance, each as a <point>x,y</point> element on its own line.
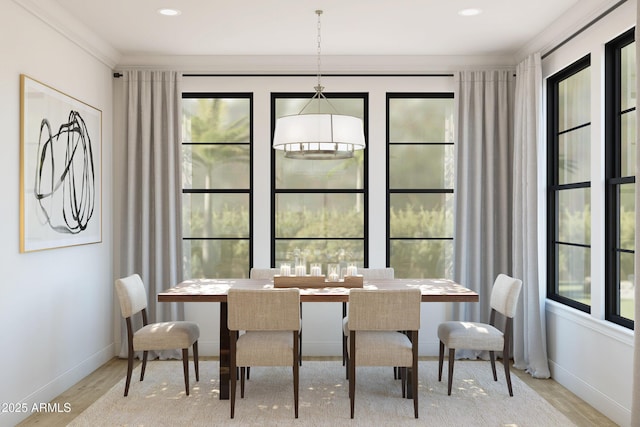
<point>77,190</point>
<point>60,184</point>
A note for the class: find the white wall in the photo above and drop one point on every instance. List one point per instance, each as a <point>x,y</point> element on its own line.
<point>589,356</point>
<point>56,306</point>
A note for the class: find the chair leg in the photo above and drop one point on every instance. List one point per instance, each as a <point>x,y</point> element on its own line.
<point>248,371</point>
<point>196,364</point>
<point>506,356</point>
<point>296,376</point>
<point>414,372</point>
<point>344,350</point>
<point>492,357</point>
<point>300,341</point>
<point>144,364</point>
<point>296,385</point>
<point>403,380</point>
<point>185,368</point>
<point>233,371</point>
<point>440,361</point>
<point>344,340</point>
<point>414,383</point>
<point>352,371</point>
<point>242,383</point>
<point>300,348</point>
<point>452,358</point>
<point>507,375</point>
<point>129,372</point>
<point>346,369</point>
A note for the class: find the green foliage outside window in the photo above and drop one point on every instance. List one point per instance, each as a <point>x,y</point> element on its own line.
<point>216,156</point>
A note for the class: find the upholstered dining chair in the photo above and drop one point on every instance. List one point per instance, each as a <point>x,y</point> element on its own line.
<point>271,319</point>
<point>268,273</point>
<point>153,336</point>
<point>375,317</point>
<point>367,273</point>
<point>457,335</point>
<point>263,273</point>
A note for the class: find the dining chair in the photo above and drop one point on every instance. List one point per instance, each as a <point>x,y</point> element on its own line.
<point>456,335</point>
<point>268,273</point>
<point>271,319</point>
<point>153,336</point>
<point>375,317</point>
<point>367,273</point>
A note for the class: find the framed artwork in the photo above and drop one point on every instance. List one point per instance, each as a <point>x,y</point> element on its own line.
<point>60,169</point>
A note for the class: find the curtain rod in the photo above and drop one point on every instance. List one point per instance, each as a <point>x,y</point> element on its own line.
<point>118,75</point>
<point>584,28</point>
<point>323,74</point>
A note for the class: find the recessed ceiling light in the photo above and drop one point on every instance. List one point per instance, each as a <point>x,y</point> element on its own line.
<point>470,12</point>
<point>169,12</point>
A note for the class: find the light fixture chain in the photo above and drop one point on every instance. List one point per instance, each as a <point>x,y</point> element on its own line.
<point>319,12</point>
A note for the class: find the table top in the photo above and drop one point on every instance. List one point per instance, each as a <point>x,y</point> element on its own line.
<point>215,290</point>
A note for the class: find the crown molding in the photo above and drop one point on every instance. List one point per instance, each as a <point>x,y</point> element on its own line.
<point>566,26</point>
<point>307,64</point>
<point>72,29</point>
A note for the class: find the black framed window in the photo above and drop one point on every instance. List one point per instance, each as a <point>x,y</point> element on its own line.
<point>569,185</point>
<point>420,184</point>
<point>216,184</point>
<point>319,207</point>
<point>620,125</point>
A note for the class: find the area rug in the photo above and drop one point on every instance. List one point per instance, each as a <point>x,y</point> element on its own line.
<point>476,399</point>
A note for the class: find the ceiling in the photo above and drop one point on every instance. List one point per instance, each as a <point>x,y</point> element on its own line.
<point>289,27</point>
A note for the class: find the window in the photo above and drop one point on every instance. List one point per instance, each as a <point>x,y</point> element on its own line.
<point>569,185</point>
<point>319,206</point>
<point>216,184</point>
<point>620,111</point>
<point>420,184</point>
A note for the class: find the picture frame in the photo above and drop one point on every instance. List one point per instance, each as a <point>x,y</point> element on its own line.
<point>60,169</point>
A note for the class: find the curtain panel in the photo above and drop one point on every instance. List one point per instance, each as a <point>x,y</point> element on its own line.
<point>635,394</point>
<point>496,229</point>
<point>148,188</point>
<point>529,337</point>
<point>484,192</point>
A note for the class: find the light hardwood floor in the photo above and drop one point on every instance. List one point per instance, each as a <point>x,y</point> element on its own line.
<point>88,390</point>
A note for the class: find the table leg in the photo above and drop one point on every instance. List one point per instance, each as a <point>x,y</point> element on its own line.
<point>225,357</point>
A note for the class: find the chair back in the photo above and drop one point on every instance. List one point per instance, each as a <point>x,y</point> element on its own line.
<point>131,294</point>
<point>376,273</point>
<point>264,309</point>
<point>263,273</point>
<point>384,310</point>
<point>504,295</point>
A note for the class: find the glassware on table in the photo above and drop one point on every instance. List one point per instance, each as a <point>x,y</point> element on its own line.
<point>316,269</point>
<point>352,269</point>
<point>285,269</point>
<point>300,268</point>
<point>333,272</point>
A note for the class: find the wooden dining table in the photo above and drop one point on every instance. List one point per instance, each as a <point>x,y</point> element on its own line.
<point>215,290</point>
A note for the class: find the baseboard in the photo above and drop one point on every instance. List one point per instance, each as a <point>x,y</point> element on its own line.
<point>59,385</point>
<point>603,403</point>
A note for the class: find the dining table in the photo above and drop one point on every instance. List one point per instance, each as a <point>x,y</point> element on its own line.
<point>215,290</point>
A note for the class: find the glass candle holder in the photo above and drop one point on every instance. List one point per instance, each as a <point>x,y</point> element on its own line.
<point>316,269</point>
<point>285,269</point>
<point>352,269</point>
<point>300,268</point>
<point>333,272</point>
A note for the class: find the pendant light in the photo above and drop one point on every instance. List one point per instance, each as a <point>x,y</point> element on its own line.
<point>316,135</point>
